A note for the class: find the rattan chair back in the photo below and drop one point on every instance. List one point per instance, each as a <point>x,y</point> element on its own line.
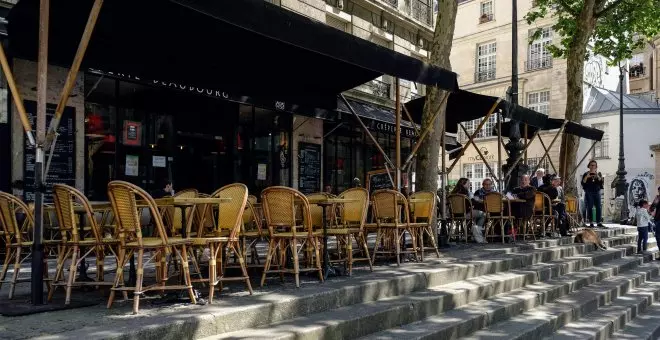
<point>67,199</point>
<point>15,232</point>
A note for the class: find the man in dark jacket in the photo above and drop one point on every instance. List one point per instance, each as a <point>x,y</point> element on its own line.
<point>528,193</point>
<point>592,183</point>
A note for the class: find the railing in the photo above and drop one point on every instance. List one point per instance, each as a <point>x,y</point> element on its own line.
<point>393,3</point>
<point>485,18</point>
<point>334,3</point>
<point>376,88</point>
<point>484,75</point>
<point>422,11</point>
<point>538,63</point>
<point>637,71</point>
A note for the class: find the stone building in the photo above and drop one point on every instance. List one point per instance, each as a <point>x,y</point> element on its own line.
<point>481,55</point>
<point>643,71</point>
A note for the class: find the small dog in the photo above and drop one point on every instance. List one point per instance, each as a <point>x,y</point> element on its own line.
<point>587,236</point>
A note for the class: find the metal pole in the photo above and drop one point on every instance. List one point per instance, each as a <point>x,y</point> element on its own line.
<point>500,182</point>
<point>621,186</point>
<point>42,86</point>
<point>443,177</point>
<point>397,144</point>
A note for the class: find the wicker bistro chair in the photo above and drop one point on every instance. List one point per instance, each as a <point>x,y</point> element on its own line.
<point>422,215</point>
<point>573,212</point>
<point>123,196</point>
<point>351,227</point>
<point>498,213</point>
<point>461,212</point>
<point>67,199</point>
<point>18,239</point>
<point>279,206</point>
<point>543,213</point>
<point>392,222</point>
<point>229,222</point>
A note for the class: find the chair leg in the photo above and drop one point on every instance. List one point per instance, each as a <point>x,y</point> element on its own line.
<point>317,256</point>
<point>186,273</point>
<point>397,246</point>
<point>17,269</point>
<point>349,253</point>
<point>269,257</point>
<point>138,281</point>
<point>379,236</point>
<point>363,241</point>
<point>294,251</point>
<point>9,253</point>
<point>235,247</point>
<point>72,274</point>
<point>212,271</point>
<point>421,242</point>
<point>59,270</point>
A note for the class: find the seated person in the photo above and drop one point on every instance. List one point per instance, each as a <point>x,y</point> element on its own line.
<point>559,209</point>
<point>479,208</point>
<point>526,192</point>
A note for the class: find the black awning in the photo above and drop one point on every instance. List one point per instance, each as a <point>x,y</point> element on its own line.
<point>250,47</point>
<point>462,106</point>
<point>571,128</point>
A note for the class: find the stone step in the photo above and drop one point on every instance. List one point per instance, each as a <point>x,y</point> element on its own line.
<point>466,319</point>
<point>645,326</point>
<point>363,319</point>
<point>282,303</point>
<point>613,317</point>
<point>545,320</point>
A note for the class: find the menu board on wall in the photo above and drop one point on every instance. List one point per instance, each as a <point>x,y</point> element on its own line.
<point>380,179</point>
<point>309,168</point>
<point>63,165</point>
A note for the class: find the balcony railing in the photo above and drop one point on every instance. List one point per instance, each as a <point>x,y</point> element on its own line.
<point>484,75</point>
<point>393,3</point>
<point>376,88</point>
<point>538,63</point>
<point>486,17</point>
<point>422,11</point>
<point>637,71</point>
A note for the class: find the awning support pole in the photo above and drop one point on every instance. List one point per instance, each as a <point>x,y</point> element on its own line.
<point>425,132</point>
<point>397,146</point>
<point>443,182</point>
<point>526,141</point>
<point>474,134</point>
<point>70,81</point>
<point>364,127</point>
<point>22,114</point>
<point>405,109</point>
<point>37,265</point>
<point>500,183</point>
<point>508,173</point>
<point>547,150</point>
<point>552,164</point>
<point>483,159</point>
<point>333,129</point>
<point>593,145</point>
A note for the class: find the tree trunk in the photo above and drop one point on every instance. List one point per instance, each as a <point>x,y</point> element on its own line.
<point>426,174</point>
<point>586,23</point>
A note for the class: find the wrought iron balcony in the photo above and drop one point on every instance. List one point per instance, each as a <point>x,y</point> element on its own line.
<point>538,63</point>
<point>393,3</point>
<point>637,71</point>
<point>422,11</point>
<point>376,88</point>
<point>484,75</point>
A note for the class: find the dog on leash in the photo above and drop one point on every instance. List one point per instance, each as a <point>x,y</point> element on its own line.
<point>587,236</point>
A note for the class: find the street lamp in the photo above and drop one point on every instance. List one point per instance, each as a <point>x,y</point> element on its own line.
<point>514,147</point>
<point>620,184</point>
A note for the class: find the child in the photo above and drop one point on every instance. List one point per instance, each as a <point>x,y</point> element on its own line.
<point>643,225</point>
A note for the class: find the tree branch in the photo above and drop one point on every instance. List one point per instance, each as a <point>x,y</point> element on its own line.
<point>567,7</point>
<point>605,10</point>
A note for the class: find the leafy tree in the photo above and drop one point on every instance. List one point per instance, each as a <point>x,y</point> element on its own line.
<point>614,28</point>
<point>426,173</point>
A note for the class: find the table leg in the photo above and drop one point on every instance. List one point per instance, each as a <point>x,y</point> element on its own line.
<point>82,268</point>
<point>327,268</point>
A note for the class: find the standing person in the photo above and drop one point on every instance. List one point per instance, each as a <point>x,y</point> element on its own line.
<point>592,183</point>
<point>537,181</point>
<point>643,225</point>
<point>655,214</point>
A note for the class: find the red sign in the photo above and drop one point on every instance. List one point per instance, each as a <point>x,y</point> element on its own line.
<point>132,133</point>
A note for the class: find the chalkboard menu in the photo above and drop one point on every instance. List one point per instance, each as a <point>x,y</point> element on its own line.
<point>63,165</point>
<point>380,179</point>
<point>309,168</point>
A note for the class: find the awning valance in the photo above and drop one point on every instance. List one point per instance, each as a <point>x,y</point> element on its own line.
<point>571,128</point>
<point>250,47</point>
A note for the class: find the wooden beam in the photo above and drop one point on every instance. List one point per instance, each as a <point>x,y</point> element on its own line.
<point>547,150</point>
<point>425,132</point>
<point>405,109</point>
<point>479,152</point>
<point>508,173</point>
<point>593,145</point>
<point>22,114</point>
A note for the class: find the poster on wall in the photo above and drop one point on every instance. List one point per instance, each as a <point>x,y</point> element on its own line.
<point>261,172</point>
<point>132,133</point>
<point>132,165</point>
<point>63,164</point>
<point>640,186</point>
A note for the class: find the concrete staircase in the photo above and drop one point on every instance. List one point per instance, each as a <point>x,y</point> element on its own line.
<point>557,290</point>
<point>545,289</point>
